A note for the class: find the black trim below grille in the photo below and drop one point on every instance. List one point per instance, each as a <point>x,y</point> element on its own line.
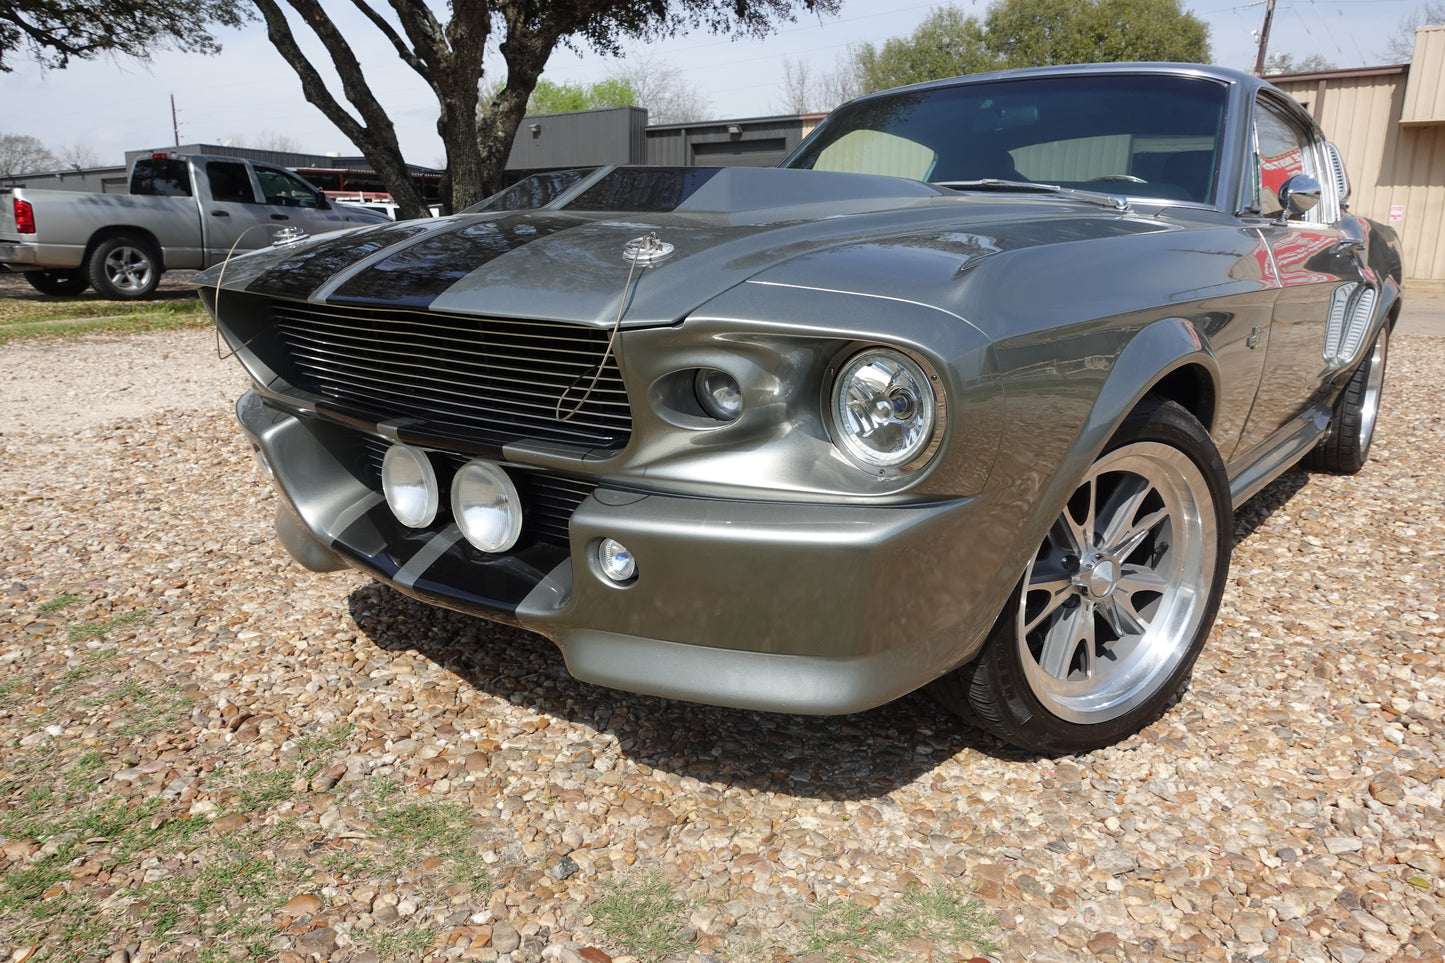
<point>548,500</point>
<point>495,381</point>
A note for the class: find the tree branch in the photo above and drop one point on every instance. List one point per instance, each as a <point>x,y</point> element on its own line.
<point>407,55</point>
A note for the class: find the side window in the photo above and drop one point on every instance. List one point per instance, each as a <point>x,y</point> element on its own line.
<point>1282,150</point>
<point>230,182</point>
<point>285,189</point>
<point>161,177</point>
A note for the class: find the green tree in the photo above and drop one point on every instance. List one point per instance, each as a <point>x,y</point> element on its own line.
<point>946,44</point>
<point>550,98</point>
<point>1283,63</point>
<point>54,31</point>
<point>1033,33</point>
<point>447,55</point>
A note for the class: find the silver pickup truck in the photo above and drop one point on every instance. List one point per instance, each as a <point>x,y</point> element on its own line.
<point>183,211</point>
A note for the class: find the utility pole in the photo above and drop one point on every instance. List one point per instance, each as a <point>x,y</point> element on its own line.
<point>176,128</point>
<point>1264,39</point>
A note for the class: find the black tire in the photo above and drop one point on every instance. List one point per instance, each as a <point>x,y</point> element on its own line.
<point>1346,446</point>
<point>1102,631</point>
<point>124,269</point>
<point>58,283</point>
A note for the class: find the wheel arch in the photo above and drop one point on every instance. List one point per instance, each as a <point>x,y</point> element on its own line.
<point>1166,359</point>
<point>126,230</point>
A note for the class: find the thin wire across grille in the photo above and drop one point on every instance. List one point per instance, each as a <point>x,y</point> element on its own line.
<point>548,500</point>
<point>497,380</point>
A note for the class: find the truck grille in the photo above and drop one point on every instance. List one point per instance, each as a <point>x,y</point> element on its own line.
<point>492,380</point>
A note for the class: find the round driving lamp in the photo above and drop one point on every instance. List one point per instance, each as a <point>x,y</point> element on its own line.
<point>886,412</point>
<point>486,507</point>
<point>616,561</point>
<point>718,393</point>
<point>410,485</point>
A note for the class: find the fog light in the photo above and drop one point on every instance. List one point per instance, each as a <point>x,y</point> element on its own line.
<point>486,506</point>
<point>410,485</point>
<point>616,561</point>
<point>718,393</point>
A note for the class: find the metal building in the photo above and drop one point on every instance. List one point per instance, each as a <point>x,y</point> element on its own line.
<point>1389,123</point>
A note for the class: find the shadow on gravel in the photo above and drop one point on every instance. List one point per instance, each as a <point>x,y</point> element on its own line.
<point>861,756</point>
<point>1252,514</point>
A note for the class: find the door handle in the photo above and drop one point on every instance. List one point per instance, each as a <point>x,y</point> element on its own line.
<point>1348,245</point>
<point>280,217</point>
<point>220,213</point>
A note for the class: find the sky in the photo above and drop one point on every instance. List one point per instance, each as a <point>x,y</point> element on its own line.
<point>248,92</point>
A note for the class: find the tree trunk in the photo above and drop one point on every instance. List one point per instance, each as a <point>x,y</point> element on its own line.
<point>525,57</point>
<point>377,139</point>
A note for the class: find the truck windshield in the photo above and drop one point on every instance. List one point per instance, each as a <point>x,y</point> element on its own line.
<point>163,176</point>
<point>1147,135</point>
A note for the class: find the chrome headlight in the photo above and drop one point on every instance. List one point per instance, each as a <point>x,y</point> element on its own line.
<point>486,506</point>
<point>410,485</point>
<point>887,410</point>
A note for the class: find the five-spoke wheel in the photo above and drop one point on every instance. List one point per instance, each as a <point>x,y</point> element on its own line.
<point>124,269</point>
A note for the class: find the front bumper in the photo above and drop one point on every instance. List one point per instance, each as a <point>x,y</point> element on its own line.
<point>776,606</point>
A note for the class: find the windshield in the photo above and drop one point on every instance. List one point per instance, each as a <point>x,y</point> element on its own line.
<point>1150,135</point>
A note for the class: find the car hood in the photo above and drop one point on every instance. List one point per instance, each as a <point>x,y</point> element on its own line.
<point>724,226</point>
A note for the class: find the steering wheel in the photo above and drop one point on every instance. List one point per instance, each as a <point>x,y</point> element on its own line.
<point>1119,177</point>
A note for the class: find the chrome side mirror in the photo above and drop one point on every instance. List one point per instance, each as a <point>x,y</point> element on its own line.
<point>1298,195</point>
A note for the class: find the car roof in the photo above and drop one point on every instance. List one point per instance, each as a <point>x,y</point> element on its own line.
<point>1224,75</point>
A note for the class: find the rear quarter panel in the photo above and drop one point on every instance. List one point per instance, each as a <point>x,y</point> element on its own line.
<point>67,221</point>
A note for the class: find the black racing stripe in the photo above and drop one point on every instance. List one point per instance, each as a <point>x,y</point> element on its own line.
<point>416,276</point>
<point>297,277</point>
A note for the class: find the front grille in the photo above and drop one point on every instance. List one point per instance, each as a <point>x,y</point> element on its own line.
<point>548,500</point>
<point>491,380</point>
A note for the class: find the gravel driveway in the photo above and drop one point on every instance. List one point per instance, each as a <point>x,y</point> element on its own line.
<point>207,753</point>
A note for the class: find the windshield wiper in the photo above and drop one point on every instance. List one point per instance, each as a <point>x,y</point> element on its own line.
<point>1116,202</point>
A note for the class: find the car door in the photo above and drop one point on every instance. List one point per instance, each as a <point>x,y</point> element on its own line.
<point>295,203</point>
<point>1313,261</point>
<point>232,214</point>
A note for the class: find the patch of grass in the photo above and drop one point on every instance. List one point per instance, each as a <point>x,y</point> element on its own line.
<point>411,831</point>
<point>21,890</point>
<point>640,913</point>
<point>86,631</point>
<point>391,944</point>
<point>64,319</point>
<point>312,749</point>
<point>81,775</point>
<point>63,601</point>
<point>845,931</point>
<point>198,903</point>
<point>261,788</point>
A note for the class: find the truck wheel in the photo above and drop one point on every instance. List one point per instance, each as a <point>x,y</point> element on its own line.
<point>58,283</point>
<point>1101,635</point>
<point>124,269</point>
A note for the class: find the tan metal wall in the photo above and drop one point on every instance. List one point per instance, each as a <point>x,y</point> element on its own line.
<point>1393,168</point>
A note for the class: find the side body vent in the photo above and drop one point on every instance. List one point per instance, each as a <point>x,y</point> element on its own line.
<point>1351,307</point>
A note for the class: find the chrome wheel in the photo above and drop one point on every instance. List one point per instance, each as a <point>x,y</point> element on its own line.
<point>1116,594</point>
<point>125,268</point>
<point>129,269</point>
<point>1374,385</point>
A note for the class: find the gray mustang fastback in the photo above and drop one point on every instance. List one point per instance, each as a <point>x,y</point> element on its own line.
<point>964,393</point>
